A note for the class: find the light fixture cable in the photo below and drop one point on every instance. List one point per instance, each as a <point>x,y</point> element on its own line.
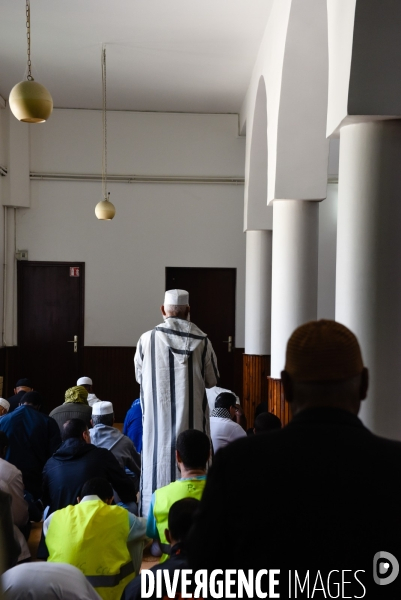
<point>104,160</point>
<point>28,38</point>
<point>104,210</point>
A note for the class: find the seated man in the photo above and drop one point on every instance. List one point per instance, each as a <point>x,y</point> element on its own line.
<point>9,546</point>
<point>33,438</point>
<point>4,407</point>
<point>104,435</point>
<point>180,519</point>
<point>133,425</point>
<point>223,426</point>
<point>87,383</point>
<point>192,454</point>
<point>75,407</point>
<point>93,536</point>
<point>213,392</point>
<point>49,581</point>
<point>21,387</point>
<point>11,483</point>
<point>77,461</point>
<point>265,422</point>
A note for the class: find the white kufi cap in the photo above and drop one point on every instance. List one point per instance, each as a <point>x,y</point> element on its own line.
<point>84,381</point>
<point>102,408</point>
<point>176,297</point>
<point>5,404</point>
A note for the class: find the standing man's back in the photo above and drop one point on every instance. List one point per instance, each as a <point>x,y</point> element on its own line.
<point>174,362</point>
<point>320,495</point>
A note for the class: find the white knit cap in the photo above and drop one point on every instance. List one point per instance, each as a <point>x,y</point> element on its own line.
<point>102,408</point>
<point>176,297</point>
<point>5,404</point>
<point>84,381</point>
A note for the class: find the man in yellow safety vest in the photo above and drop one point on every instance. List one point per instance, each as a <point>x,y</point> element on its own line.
<point>93,536</point>
<point>192,454</point>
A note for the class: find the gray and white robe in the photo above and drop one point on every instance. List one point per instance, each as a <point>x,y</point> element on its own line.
<point>174,363</point>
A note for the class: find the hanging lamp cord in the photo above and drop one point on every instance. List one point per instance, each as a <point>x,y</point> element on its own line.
<point>28,37</point>
<point>104,161</point>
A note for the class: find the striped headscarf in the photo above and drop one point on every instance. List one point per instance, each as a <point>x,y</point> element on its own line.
<point>77,394</point>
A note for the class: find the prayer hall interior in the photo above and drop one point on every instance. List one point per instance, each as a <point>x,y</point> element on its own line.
<point>253,155</point>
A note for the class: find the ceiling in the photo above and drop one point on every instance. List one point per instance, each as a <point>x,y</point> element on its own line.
<point>162,55</point>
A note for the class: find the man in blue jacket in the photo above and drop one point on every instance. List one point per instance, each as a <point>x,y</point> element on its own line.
<point>33,439</point>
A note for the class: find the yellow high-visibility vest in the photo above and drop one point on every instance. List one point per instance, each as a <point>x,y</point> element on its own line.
<point>165,498</point>
<point>92,536</point>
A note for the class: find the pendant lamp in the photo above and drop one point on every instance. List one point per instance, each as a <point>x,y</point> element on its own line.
<point>104,210</point>
<point>30,101</point>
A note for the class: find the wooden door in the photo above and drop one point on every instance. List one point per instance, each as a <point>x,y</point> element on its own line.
<point>212,302</point>
<point>50,313</point>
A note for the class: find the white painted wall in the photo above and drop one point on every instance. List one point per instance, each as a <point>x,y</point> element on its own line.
<point>141,143</point>
<point>156,225</point>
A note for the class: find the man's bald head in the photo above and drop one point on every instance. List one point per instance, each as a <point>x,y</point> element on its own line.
<point>324,367</point>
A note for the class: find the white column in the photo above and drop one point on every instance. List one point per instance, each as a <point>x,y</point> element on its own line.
<point>294,273</point>
<point>368,288</point>
<point>258,292</point>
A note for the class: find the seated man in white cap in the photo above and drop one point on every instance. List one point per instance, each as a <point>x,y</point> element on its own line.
<point>174,363</point>
<point>87,383</point>
<point>105,435</point>
<point>4,407</point>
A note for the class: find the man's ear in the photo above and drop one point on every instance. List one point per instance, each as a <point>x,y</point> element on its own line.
<point>162,310</point>
<point>287,386</point>
<point>364,385</point>
<point>168,536</point>
<point>178,457</point>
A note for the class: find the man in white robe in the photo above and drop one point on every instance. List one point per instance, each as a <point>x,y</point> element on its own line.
<point>174,363</point>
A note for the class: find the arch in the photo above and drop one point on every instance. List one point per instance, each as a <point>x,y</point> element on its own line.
<point>302,148</point>
<point>257,214</point>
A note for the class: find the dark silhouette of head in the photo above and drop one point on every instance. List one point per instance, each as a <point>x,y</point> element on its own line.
<point>193,449</point>
<point>97,486</point>
<point>266,421</point>
<point>324,368</point>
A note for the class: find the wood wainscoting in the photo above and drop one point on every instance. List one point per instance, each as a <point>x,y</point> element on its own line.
<point>276,401</point>
<point>256,369</point>
<point>111,369</point>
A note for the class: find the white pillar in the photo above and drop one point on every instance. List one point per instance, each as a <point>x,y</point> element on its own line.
<point>368,289</point>
<point>258,292</point>
<point>294,273</point>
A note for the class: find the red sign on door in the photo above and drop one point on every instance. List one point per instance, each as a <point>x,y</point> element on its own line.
<point>74,271</point>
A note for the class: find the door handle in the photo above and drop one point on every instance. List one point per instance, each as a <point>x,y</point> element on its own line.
<point>229,342</point>
<point>75,342</point>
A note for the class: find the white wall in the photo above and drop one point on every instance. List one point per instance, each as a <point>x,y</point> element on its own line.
<point>156,225</point>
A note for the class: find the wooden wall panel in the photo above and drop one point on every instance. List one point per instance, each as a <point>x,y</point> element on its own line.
<point>112,370</point>
<point>238,372</point>
<point>276,401</point>
<point>9,369</point>
<point>255,372</point>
